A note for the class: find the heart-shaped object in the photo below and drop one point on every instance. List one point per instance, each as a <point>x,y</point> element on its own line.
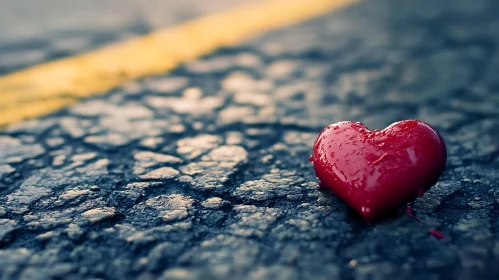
<point>378,171</point>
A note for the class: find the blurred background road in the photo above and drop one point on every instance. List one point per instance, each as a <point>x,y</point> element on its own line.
<point>202,172</point>
<point>35,31</point>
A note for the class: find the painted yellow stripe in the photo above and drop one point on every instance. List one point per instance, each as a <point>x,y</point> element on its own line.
<point>47,87</point>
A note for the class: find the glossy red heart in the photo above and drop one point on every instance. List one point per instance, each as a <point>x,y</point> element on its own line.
<point>378,171</point>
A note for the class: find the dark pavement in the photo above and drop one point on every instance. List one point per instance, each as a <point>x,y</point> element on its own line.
<point>203,173</point>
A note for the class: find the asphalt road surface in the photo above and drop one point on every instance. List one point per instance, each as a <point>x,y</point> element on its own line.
<point>32,32</point>
<point>203,172</point>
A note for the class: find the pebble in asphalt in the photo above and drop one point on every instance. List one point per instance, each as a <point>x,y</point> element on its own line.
<point>203,172</point>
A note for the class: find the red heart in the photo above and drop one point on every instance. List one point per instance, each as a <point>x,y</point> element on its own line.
<point>378,171</point>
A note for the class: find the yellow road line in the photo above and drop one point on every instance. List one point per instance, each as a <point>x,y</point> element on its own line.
<point>47,87</point>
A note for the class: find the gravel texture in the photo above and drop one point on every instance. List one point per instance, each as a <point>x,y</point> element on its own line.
<point>203,173</point>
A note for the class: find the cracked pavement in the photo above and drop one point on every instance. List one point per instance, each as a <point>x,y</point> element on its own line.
<point>203,172</point>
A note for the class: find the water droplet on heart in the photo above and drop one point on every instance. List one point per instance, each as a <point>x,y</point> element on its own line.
<point>365,209</point>
<point>310,158</point>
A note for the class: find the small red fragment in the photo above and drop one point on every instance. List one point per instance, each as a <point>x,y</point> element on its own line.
<point>376,172</point>
<point>436,233</point>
